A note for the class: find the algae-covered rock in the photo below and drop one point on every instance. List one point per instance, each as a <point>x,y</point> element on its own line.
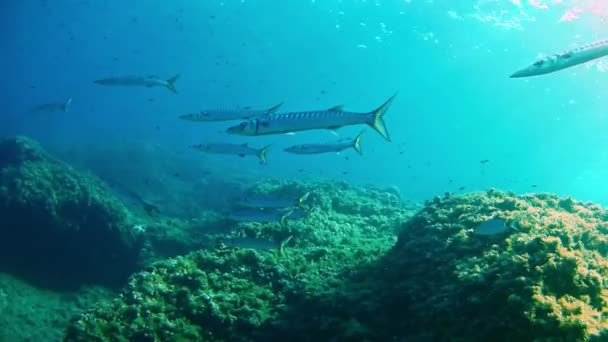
<point>204,296</point>
<point>60,227</point>
<point>545,281</point>
<point>233,294</point>
<point>34,314</point>
<point>542,281</point>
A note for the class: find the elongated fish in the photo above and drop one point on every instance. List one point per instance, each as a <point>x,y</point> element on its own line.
<point>53,107</point>
<point>228,114</point>
<point>140,81</point>
<point>241,150</point>
<point>331,118</point>
<point>266,215</point>
<point>494,226</point>
<point>131,198</point>
<point>566,59</point>
<point>258,215</point>
<point>325,148</point>
<point>271,202</point>
<point>256,243</point>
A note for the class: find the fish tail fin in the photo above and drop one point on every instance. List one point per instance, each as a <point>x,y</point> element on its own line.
<point>274,109</point>
<point>302,201</point>
<point>67,104</point>
<point>376,120</point>
<point>171,83</point>
<point>284,243</point>
<point>262,153</point>
<point>357,143</point>
<point>283,221</point>
<point>150,209</point>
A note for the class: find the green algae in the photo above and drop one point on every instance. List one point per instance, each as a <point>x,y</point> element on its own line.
<point>441,282</point>
<point>33,314</point>
<point>235,294</point>
<point>544,282</point>
<point>343,277</point>
<point>61,220</point>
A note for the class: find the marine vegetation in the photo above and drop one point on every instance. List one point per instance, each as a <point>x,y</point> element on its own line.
<point>544,281</point>
<point>362,264</point>
<point>226,293</point>
<point>84,230</point>
<point>84,233</point>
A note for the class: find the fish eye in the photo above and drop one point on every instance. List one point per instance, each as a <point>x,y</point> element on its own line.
<point>243,125</point>
<point>539,63</point>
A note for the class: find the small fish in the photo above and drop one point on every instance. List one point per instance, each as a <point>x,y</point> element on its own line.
<point>53,107</point>
<point>241,150</point>
<point>252,243</point>
<point>131,197</point>
<point>270,202</point>
<point>229,114</point>
<point>256,243</point>
<point>140,81</point>
<point>325,148</point>
<point>260,215</point>
<point>331,119</point>
<point>493,226</point>
<point>566,59</point>
<point>484,161</point>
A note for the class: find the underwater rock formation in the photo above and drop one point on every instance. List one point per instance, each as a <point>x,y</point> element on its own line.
<point>61,228</point>
<point>34,314</point>
<point>341,278</point>
<point>544,282</point>
<point>232,294</point>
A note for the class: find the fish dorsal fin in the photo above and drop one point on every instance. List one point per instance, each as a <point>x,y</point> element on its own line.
<point>337,108</point>
<point>273,110</point>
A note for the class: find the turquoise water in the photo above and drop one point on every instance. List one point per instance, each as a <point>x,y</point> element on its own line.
<point>448,61</point>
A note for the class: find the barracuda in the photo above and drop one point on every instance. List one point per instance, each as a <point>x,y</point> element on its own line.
<point>332,118</point>
<point>143,81</point>
<point>241,150</point>
<point>53,107</point>
<point>566,59</point>
<point>228,114</point>
<point>325,148</point>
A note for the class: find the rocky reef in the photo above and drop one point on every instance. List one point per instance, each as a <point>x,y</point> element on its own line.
<point>545,280</point>
<point>342,277</point>
<point>30,313</point>
<point>227,293</point>
<point>362,265</point>
<point>61,227</point>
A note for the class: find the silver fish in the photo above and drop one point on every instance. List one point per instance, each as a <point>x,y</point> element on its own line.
<point>53,107</point>
<point>325,119</point>
<point>566,59</point>
<point>228,114</point>
<point>257,215</point>
<point>241,150</point>
<point>136,81</point>
<point>266,215</point>
<point>325,148</point>
<point>131,198</point>
<point>256,243</point>
<point>270,202</point>
<point>493,226</point>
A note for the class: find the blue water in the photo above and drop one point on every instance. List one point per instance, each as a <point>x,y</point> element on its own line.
<point>455,105</point>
